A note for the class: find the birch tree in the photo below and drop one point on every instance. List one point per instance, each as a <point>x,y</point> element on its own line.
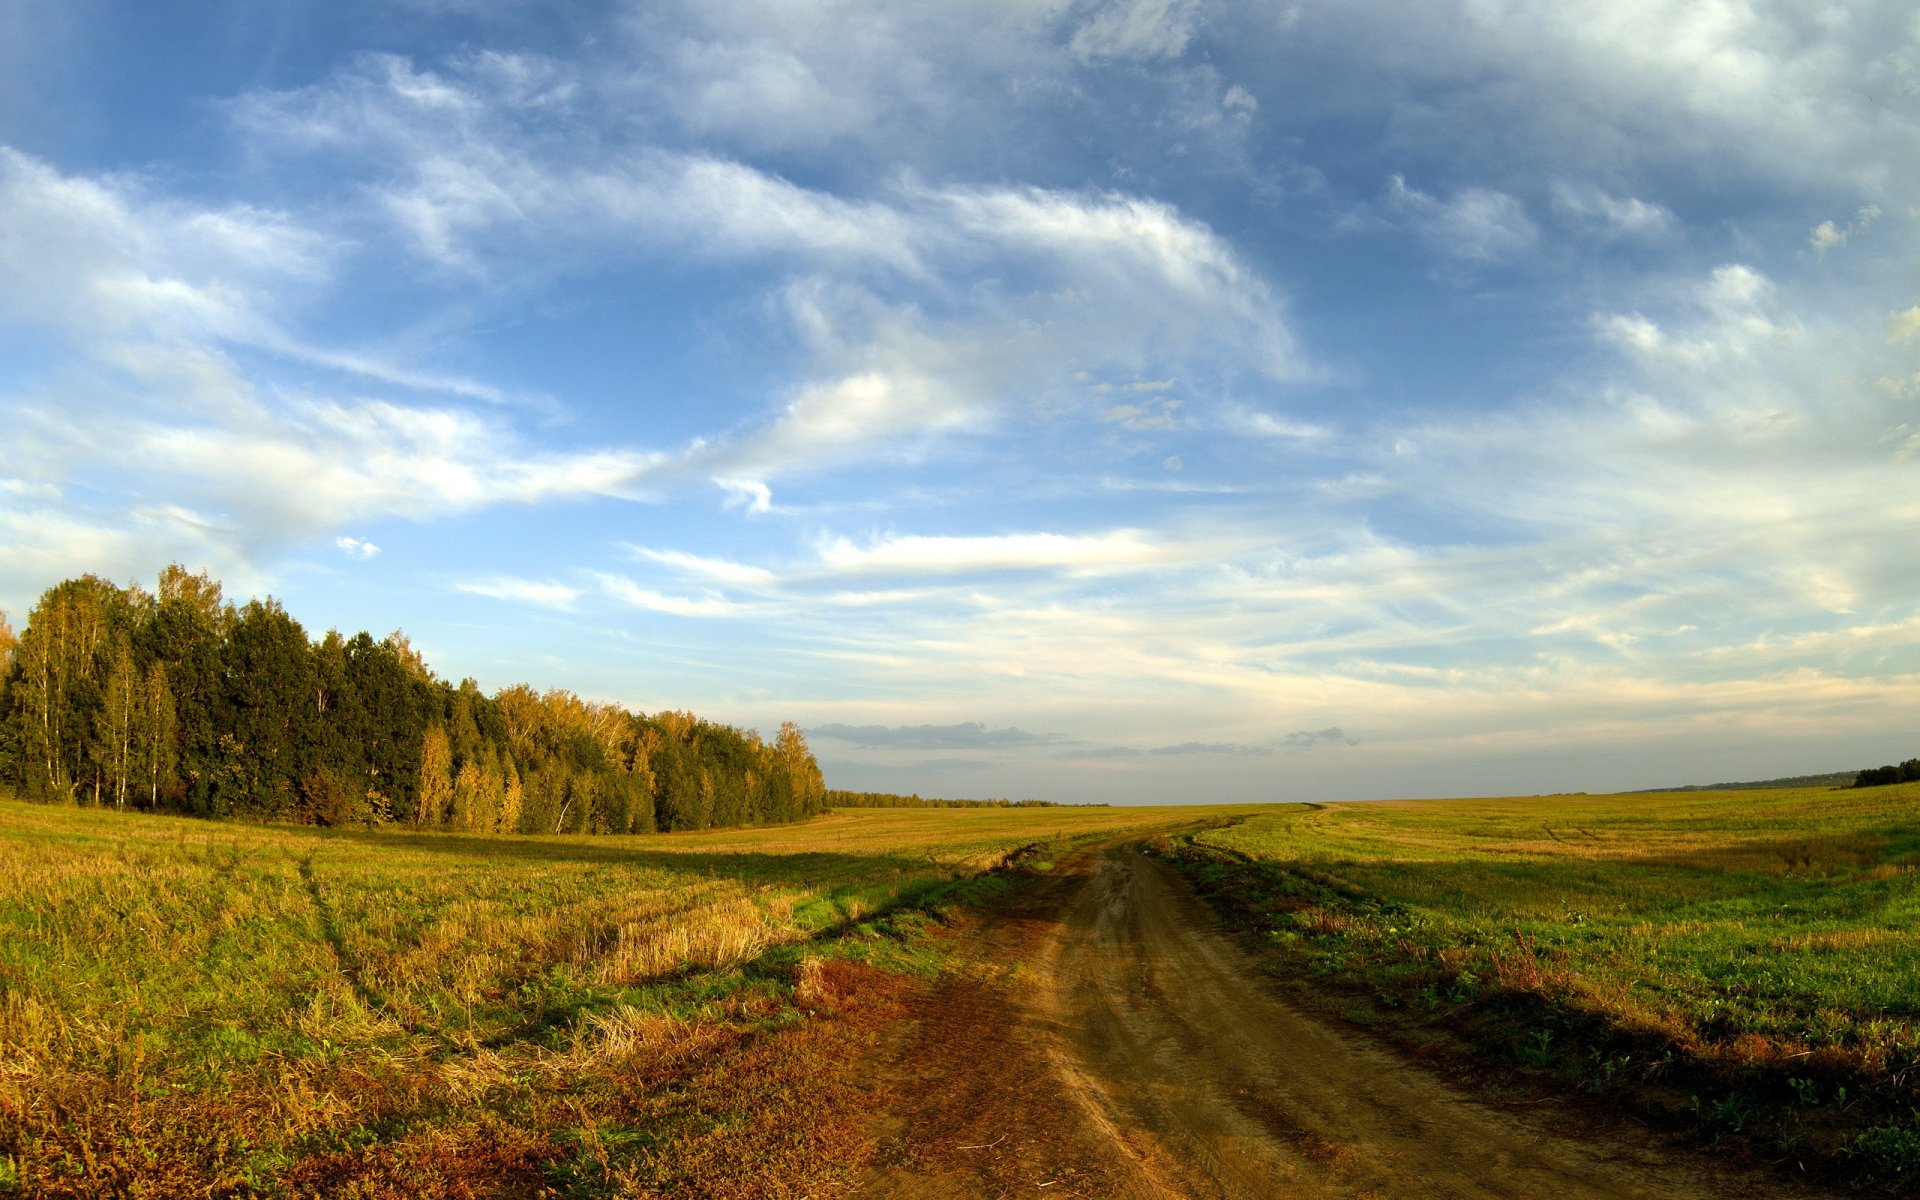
<point>113,727</point>
<point>436,779</point>
<point>154,729</point>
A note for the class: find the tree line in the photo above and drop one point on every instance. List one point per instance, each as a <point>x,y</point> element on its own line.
<point>175,700</point>
<point>1906,772</point>
<point>837,798</point>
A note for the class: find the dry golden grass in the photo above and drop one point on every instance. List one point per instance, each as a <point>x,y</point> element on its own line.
<point>222,1010</point>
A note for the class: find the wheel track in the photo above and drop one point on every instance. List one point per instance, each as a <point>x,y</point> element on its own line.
<point>1174,1071</point>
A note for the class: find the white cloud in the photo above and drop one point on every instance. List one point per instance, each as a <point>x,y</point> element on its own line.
<point>1136,387</point>
<point>1905,440</point>
<point>764,75</point>
<point>130,278</point>
<point>717,569</point>
<point>834,420</point>
<point>276,473</point>
<point>468,185</point>
<point>1620,215</point>
<point>751,495</point>
<point>1766,89</point>
<point>966,735</point>
<point>898,299</point>
<point>1140,249</point>
<point>96,261</point>
<point>43,543</point>
<point>1475,224</point>
<point>1845,640</point>
<point>1269,426</point>
<point>314,464</point>
<point>157,297</point>
<point>1137,29</point>
<point>955,315</point>
<point>1143,418</point>
<point>1829,236</point>
<point>1733,314</point>
<point>630,593</point>
<point>454,167</point>
<point>1132,285</point>
<point>763,90</point>
<point>545,593</point>
<point>1719,476</point>
<point>913,554</point>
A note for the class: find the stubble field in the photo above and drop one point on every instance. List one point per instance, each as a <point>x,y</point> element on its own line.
<point>204,1009</point>
<point>194,1008</point>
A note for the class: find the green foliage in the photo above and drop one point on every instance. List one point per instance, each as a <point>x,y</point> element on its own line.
<point>178,701</point>
<point>1906,772</point>
<point>1891,1151</point>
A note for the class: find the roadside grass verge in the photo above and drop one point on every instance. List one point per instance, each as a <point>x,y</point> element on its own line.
<point>190,1008</point>
<point>1748,963</point>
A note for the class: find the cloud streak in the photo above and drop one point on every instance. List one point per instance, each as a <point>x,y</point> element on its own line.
<point>966,735</point>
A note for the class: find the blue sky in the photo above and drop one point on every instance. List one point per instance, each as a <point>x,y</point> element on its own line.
<point>1139,400</point>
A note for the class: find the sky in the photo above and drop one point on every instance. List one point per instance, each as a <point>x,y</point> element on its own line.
<point>1106,400</point>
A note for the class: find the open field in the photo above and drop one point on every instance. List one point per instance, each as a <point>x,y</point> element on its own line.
<point>191,1008</point>
<point>1752,958</point>
<point>215,1009</point>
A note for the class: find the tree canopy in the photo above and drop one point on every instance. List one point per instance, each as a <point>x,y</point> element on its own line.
<point>1906,772</point>
<point>180,701</point>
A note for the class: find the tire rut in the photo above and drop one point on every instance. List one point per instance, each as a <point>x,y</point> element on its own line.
<point>351,969</point>
<point>1172,1070</point>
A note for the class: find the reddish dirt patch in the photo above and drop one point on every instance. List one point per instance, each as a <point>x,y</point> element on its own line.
<point>980,1111</point>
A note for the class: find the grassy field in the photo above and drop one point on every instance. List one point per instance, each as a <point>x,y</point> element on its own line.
<point>1752,958</point>
<point>213,1009</point>
<point>190,1008</point>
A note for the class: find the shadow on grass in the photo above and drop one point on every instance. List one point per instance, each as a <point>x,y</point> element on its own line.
<point>891,933</point>
<point>1820,874</point>
<point>804,867</point>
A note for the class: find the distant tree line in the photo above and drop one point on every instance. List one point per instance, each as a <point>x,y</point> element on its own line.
<point>1906,772</point>
<point>1829,779</point>
<point>176,700</point>
<point>836,798</point>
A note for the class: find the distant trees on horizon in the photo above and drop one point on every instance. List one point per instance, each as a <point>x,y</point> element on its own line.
<point>837,798</point>
<point>175,700</point>
<point>1906,772</point>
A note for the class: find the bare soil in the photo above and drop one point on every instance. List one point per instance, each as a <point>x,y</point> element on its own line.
<point>1111,1040</point>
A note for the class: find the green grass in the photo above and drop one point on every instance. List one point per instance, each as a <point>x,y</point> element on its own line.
<point>230,1010</point>
<point>222,1009</point>
<point>1759,951</point>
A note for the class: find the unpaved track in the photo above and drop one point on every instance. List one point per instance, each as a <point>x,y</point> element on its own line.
<point>1152,1062</point>
<point>1217,1088</point>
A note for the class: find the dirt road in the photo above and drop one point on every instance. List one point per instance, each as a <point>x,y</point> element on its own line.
<point>1116,1043</point>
